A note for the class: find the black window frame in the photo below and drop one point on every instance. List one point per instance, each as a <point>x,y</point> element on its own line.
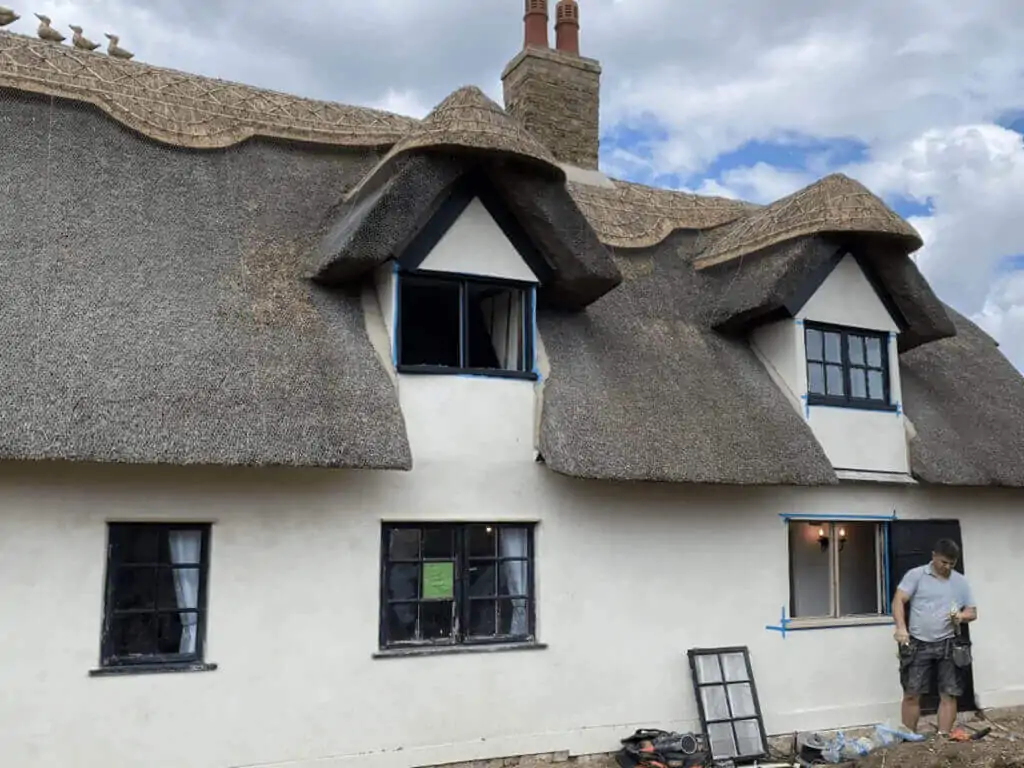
<point>108,658</point>
<point>847,400</point>
<point>462,599</point>
<point>528,303</point>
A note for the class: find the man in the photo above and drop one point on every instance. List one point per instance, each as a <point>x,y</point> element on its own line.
<point>940,603</point>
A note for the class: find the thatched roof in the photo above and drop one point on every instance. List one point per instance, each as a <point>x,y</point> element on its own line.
<point>186,110</point>
<point>836,203</point>
<point>163,304</point>
<point>152,309</point>
<point>383,217</point>
<point>966,402</point>
<point>641,388</point>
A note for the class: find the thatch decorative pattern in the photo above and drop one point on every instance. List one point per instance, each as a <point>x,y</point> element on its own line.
<point>836,203</point>
<point>187,110</point>
<point>637,216</point>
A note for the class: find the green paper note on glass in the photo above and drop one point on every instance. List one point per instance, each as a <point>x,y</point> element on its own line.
<point>438,581</point>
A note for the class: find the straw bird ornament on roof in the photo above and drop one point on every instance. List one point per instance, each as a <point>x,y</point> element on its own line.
<point>7,16</point>
<point>80,41</point>
<point>46,32</point>
<point>113,49</point>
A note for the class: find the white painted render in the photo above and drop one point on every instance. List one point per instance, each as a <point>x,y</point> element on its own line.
<point>847,298</point>
<point>475,245</point>
<point>628,578</point>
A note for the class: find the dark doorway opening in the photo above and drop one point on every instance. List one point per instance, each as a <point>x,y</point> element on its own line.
<point>910,545</point>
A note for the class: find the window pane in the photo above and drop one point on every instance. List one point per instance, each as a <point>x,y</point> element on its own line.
<point>401,622</point>
<point>855,345</point>
<point>429,322</point>
<point>741,699</point>
<point>134,588</point>
<point>514,542</point>
<point>721,739</point>
<point>874,345</point>
<point>405,544</point>
<point>858,568</point>
<point>816,378</point>
<point>482,618</point>
<point>438,543</point>
<point>134,635</point>
<point>436,619</point>
<point>482,580</point>
<point>403,582</point>
<point>814,345</point>
<point>876,390</point>
<point>482,541</point>
<point>178,588</point>
<point>135,543</point>
<point>834,380</point>
<point>833,348</point>
<point>169,633</point>
<point>748,738</point>
<point>494,322</point>
<point>858,382</point>
<point>708,670</point>
<point>512,581</point>
<point>715,705</point>
<point>735,666</point>
<point>513,617</point>
<point>810,570</point>
<point>182,547</point>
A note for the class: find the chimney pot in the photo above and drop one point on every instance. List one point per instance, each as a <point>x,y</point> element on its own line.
<point>535,24</point>
<point>567,26</point>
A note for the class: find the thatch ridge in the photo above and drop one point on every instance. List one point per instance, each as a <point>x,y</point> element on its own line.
<point>835,203</point>
<point>630,215</point>
<point>186,110</point>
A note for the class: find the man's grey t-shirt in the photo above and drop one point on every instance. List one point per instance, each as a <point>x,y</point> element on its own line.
<point>931,598</point>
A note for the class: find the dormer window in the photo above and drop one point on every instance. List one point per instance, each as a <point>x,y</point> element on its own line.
<point>457,324</point>
<point>847,367</point>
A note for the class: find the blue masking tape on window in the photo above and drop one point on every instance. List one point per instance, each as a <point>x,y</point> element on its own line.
<point>886,598</point>
<point>807,406</point>
<point>533,313</point>
<point>783,624</point>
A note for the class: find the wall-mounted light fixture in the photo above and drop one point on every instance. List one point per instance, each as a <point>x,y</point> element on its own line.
<point>822,535</point>
<point>842,538</point>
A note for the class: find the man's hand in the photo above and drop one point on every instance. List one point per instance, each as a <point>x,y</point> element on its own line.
<point>902,636</point>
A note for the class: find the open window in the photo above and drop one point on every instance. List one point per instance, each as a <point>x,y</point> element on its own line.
<point>837,569</point>
<point>847,367</point>
<point>455,324</point>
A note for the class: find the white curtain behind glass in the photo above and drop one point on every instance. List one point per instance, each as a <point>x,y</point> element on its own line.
<point>186,547</point>
<point>513,543</point>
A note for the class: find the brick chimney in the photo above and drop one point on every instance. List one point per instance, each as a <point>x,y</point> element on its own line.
<point>535,23</point>
<point>555,93</point>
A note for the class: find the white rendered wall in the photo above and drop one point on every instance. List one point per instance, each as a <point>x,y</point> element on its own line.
<point>293,606</point>
<point>853,439</point>
<point>475,245</point>
<point>847,298</point>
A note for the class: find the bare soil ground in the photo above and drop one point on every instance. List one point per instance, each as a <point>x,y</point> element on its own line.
<point>1002,748</point>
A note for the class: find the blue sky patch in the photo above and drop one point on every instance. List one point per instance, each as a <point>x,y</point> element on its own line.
<point>1012,263</point>
<point>908,206</point>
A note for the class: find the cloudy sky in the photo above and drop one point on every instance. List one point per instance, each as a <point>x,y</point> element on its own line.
<point>923,100</point>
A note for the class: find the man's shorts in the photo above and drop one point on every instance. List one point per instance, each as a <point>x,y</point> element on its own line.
<point>919,662</point>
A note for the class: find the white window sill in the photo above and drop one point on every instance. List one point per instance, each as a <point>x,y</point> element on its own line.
<point>832,623</point>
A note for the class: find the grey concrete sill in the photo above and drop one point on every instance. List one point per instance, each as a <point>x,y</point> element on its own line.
<point>794,625</point>
<point>152,669</point>
<point>445,650</point>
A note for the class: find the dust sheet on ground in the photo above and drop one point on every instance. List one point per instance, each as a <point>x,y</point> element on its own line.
<point>1002,748</point>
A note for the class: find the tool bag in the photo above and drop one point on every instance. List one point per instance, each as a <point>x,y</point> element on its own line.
<point>650,748</point>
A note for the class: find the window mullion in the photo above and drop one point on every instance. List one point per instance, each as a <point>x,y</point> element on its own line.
<point>844,355</point>
<point>460,609</point>
<point>834,570</point>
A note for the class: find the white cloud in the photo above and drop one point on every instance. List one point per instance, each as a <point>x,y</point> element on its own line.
<point>759,183</point>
